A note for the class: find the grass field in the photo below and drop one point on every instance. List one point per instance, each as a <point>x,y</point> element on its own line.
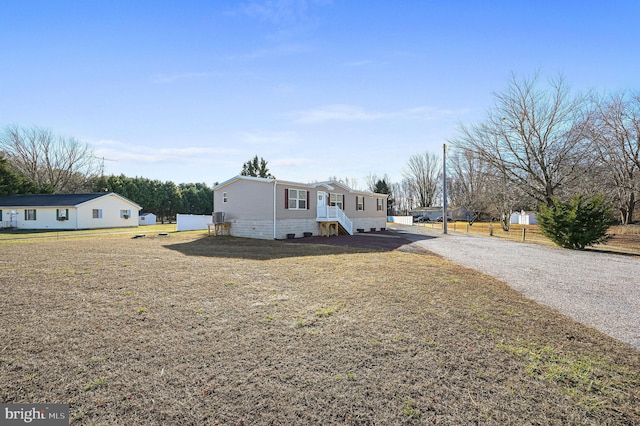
<point>191,330</point>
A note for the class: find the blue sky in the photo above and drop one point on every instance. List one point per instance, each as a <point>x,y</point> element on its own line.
<point>187,91</point>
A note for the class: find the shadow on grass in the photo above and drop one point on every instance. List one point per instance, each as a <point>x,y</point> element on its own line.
<point>248,248</point>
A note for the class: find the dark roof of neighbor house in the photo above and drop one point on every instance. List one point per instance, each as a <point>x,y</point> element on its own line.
<point>48,200</point>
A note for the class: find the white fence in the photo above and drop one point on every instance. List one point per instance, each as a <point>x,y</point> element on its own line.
<point>402,220</point>
<point>192,222</point>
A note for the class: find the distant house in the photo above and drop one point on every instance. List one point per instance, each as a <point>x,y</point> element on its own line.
<point>523,218</point>
<point>68,211</point>
<point>147,219</point>
<point>269,208</point>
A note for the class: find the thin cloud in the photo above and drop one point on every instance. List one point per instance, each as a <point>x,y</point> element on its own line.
<point>280,12</point>
<point>288,17</point>
<point>357,64</point>
<point>268,138</point>
<point>337,112</point>
<point>290,162</point>
<point>273,52</point>
<point>118,151</point>
<point>351,113</point>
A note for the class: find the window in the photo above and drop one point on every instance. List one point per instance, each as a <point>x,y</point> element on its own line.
<point>296,199</point>
<point>30,214</point>
<point>62,214</point>
<point>97,213</point>
<point>0,215</point>
<point>380,205</point>
<point>224,197</point>
<point>337,200</point>
<point>359,202</point>
<point>125,214</point>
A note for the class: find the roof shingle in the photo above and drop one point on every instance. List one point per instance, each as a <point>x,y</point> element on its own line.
<point>48,200</point>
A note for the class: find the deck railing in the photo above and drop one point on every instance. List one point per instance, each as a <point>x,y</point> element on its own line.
<point>335,213</point>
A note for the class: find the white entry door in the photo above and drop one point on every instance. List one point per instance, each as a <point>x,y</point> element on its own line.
<point>322,204</point>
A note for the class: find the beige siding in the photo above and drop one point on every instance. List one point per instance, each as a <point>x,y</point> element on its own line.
<point>246,199</point>
<point>283,213</point>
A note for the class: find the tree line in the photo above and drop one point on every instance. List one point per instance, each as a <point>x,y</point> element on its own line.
<point>538,143</point>
<point>35,161</point>
<point>164,199</point>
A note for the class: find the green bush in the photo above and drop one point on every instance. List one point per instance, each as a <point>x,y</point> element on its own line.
<point>581,222</point>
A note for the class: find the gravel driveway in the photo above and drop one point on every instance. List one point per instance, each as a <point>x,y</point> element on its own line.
<point>597,289</point>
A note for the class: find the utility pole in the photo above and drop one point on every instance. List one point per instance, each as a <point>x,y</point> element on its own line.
<point>444,188</point>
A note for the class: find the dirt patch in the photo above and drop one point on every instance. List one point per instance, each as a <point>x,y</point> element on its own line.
<point>198,330</point>
<point>381,240</point>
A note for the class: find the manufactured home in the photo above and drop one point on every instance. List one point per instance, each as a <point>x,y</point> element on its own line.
<point>275,209</point>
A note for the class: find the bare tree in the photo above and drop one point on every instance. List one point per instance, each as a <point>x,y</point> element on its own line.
<point>502,198</point>
<point>615,128</point>
<point>402,202</point>
<point>350,182</point>
<point>534,137</point>
<point>468,183</point>
<point>422,176</point>
<point>370,181</point>
<point>61,163</point>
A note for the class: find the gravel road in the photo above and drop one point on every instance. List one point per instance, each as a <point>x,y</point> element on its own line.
<point>598,289</point>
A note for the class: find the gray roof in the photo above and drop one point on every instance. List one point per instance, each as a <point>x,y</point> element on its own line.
<point>48,200</point>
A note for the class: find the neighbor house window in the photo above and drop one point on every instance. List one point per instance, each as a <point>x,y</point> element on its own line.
<point>125,214</point>
<point>296,199</point>
<point>97,213</point>
<point>359,202</point>
<point>30,214</point>
<point>380,205</point>
<point>0,215</point>
<point>337,200</point>
<point>224,197</point>
<point>62,214</point>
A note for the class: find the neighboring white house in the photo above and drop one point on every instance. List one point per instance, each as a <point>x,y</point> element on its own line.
<point>147,219</point>
<point>270,208</point>
<point>68,211</point>
<point>524,218</point>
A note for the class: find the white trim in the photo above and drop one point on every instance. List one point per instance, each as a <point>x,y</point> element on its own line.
<point>275,185</point>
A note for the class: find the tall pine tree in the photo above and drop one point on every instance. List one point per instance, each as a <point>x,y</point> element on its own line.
<point>257,168</point>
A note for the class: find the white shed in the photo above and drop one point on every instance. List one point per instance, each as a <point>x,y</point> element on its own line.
<point>524,218</point>
<point>147,219</point>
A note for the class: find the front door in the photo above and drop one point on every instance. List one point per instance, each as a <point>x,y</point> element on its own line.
<point>322,204</point>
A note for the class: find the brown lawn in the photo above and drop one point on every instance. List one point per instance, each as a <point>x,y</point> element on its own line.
<point>191,330</point>
<point>623,239</point>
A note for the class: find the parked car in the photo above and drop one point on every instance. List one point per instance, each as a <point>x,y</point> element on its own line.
<point>439,219</point>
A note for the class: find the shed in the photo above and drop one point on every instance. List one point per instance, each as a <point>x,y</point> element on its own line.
<point>524,218</point>
<point>147,219</point>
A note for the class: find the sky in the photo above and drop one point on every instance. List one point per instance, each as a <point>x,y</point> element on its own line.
<point>188,91</point>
